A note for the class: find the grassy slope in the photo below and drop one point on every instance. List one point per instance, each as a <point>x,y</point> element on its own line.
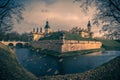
<point>111,44</point>
<point>105,72</point>
<point>10,69</point>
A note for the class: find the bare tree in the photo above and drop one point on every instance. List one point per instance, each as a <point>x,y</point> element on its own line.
<point>108,11</point>
<point>10,11</point>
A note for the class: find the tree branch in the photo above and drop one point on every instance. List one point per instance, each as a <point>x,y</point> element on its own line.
<point>2,6</point>
<point>114,5</point>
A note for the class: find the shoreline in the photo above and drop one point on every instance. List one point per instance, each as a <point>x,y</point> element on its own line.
<point>64,54</point>
<point>75,53</point>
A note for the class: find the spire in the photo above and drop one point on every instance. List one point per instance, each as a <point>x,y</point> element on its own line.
<point>47,24</point>
<point>89,24</point>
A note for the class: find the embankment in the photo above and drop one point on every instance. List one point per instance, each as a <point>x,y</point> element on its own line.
<point>10,69</point>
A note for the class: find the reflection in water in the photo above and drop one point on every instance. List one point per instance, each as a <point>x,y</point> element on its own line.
<point>41,64</point>
<point>95,53</point>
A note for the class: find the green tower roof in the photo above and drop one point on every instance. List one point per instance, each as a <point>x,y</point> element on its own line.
<point>47,25</point>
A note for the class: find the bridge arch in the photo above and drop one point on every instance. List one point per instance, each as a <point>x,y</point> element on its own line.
<point>11,44</point>
<point>19,45</point>
<point>26,45</point>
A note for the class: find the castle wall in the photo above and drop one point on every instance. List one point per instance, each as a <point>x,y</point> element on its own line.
<point>80,45</point>
<point>66,45</point>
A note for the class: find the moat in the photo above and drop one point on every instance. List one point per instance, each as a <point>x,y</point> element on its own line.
<point>41,64</point>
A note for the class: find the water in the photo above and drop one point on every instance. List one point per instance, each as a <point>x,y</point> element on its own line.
<point>41,64</point>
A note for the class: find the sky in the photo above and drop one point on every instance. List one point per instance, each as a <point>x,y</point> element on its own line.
<point>61,14</point>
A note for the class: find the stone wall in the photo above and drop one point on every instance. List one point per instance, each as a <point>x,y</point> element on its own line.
<point>80,45</point>
<point>66,45</point>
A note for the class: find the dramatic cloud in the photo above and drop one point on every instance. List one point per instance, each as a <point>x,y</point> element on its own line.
<point>61,14</point>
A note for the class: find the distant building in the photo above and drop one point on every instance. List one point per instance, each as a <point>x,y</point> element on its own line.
<point>38,32</point>
<point>86,33</point>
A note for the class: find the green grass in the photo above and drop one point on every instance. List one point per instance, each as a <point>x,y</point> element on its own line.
<point>68,36</point>
<point>71,36</point>
<point>111,44</point>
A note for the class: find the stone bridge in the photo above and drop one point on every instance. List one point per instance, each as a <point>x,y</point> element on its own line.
<point>14,43</point>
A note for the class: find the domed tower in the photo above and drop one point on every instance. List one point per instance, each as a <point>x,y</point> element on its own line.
<point>89,30</point>
<point>89,26</point>
<point>47,28</point>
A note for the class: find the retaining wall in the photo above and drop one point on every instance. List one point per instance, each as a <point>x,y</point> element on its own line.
<point>66,45</point>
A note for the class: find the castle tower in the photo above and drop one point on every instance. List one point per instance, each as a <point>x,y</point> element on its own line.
<point>40,30</point>
<point>89,26</point>
<point>37,34</point>
<point>47,28</point>
<point>33,30</point>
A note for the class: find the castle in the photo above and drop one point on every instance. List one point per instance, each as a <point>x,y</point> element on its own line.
<point>85,33</point>
<point>62,45</point>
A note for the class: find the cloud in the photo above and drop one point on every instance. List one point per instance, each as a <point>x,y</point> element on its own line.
<point>62,14</point>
